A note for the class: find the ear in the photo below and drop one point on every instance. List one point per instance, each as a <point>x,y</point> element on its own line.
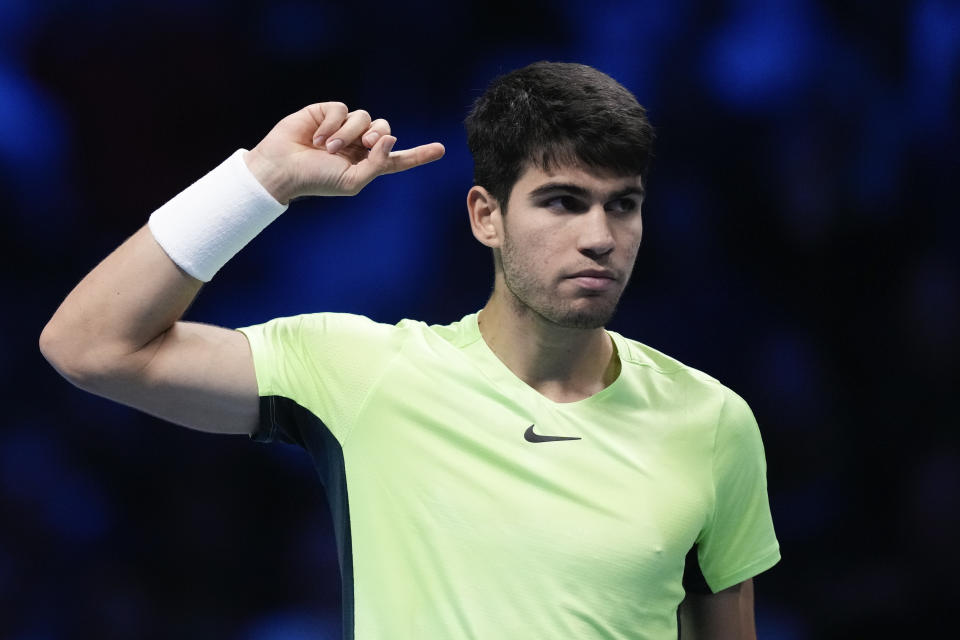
<point>486,221</point>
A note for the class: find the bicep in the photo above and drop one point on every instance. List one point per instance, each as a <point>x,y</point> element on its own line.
<point>725,615</point>
<point>195,375</point>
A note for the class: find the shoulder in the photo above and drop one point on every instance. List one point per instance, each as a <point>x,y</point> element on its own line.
<point>324,338</point>
<point>641,359</point>
<point>351,332</point>
<point>308,326</point>
<point>679,384</point>
<point>327,320</point>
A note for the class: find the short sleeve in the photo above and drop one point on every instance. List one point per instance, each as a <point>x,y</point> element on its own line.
<point>324,362</point>
<point>738,541</point>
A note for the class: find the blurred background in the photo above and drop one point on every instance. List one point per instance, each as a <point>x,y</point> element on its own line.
<point>800,246</point>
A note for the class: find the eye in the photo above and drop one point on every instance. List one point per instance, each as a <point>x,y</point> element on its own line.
<point>565,203</point>
<point>623,205</point>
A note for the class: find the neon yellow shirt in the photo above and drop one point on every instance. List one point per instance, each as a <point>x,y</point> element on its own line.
<point>456,520</point>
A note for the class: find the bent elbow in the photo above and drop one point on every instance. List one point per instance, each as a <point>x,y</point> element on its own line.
<point>68,357</point>
<point>58,353</point>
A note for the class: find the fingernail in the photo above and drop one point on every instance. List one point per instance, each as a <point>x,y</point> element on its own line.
<point>334,145</point>
<point>318,141</point>
<point>371,138</point>
<point>389,145</point>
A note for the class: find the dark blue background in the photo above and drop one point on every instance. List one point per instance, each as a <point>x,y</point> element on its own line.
<point>800,245</point>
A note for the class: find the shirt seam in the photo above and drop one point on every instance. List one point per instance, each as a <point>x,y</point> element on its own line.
<point>629,355</point>
<point>351,424</point>
<point>713,466</point>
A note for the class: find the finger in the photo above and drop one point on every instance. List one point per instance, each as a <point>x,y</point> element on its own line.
<point>356,123</point>
<point>329,117</point>
<point>381,160</point>
<point>409,158</point>
<point>378,128</point>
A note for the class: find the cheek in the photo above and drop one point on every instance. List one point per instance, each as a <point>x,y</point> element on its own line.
<point>532,246</point>
<point>630,238</point>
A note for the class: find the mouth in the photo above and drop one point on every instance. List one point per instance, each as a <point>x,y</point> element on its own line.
<point>594,273</point>
<point>594,279</point>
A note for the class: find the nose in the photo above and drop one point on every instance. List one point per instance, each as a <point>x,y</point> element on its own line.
<point>595,237</point>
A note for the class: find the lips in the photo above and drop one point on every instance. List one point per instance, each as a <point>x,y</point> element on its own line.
<point>593,273</point>
<point>594,279</point>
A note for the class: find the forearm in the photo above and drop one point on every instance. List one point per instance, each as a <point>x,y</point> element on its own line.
<point>118,310</point>
<point>111,326</point>
<point>107,329</point>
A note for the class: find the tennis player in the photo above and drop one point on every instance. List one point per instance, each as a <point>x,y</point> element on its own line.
<point>519,473</point>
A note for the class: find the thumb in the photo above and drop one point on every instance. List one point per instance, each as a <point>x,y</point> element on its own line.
<point>375,164</point>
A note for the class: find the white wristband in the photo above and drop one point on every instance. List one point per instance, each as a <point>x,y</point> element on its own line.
<point>207,223</point>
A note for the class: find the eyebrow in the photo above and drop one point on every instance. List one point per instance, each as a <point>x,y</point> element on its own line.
<point>577,190</point>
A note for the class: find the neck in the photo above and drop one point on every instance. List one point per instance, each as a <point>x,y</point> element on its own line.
<point>561,363</point>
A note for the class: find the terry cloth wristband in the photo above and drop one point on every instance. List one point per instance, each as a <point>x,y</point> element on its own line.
<point>207,223</point>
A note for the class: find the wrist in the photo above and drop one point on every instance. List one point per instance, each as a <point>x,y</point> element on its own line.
<point>276,181</point>
<point>207,223</point>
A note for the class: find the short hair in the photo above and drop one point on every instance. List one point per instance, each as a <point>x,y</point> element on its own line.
<point>550,114</point>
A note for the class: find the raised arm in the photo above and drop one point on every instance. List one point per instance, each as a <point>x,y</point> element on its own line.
<point>118,333</point>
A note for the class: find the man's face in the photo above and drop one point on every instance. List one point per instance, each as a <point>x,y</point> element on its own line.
<point>570,239</point>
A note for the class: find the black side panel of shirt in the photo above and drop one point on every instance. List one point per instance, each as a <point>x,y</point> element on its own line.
<point>693,580</point>
<point>284,420</point>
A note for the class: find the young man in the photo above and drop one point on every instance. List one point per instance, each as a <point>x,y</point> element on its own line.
<point>520,473</point>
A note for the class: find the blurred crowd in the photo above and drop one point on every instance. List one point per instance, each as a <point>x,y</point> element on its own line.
<point>800,245</point>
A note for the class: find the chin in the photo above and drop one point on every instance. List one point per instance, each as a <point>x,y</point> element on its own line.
<point>595,318</point>
<point>561,310</point>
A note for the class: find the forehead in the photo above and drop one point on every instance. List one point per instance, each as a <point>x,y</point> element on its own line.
<point>533,178</point>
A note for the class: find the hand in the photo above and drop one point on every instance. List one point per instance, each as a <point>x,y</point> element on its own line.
<point>326,150</point>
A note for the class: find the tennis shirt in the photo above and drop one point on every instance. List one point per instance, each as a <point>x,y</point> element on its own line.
<point>466,505</point>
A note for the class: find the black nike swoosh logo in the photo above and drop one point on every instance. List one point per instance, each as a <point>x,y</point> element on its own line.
<point>530,436</point>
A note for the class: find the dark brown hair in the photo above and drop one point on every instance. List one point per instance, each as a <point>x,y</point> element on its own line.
<point>550,114</point>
